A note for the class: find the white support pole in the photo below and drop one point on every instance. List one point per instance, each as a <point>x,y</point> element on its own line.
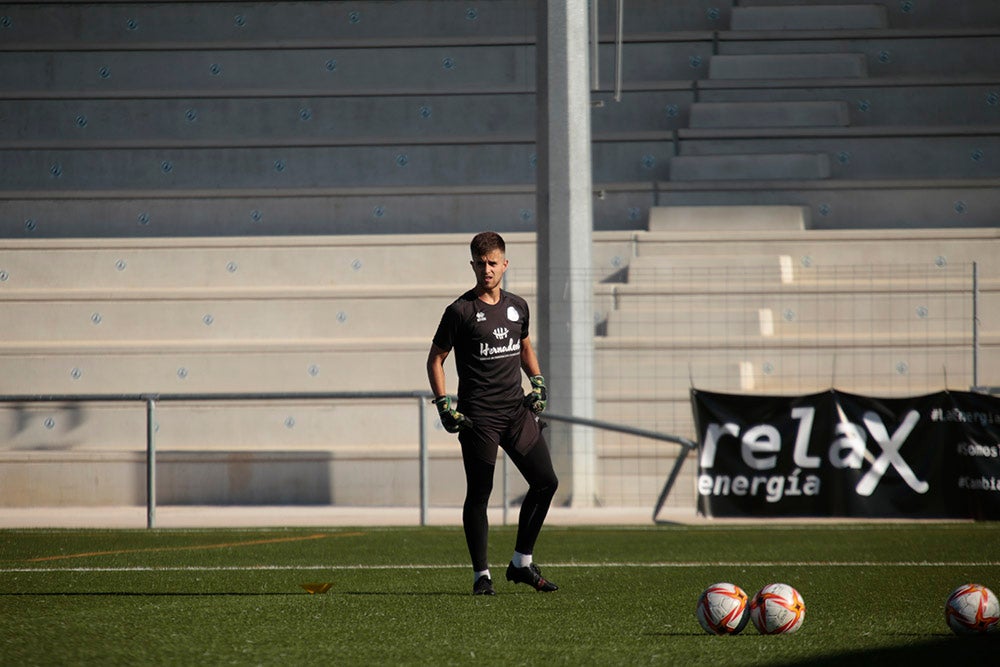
<point>150,462</point>
<point>424,465</point>
<point>565,223</point>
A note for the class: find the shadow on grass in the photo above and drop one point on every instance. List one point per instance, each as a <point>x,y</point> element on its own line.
<point>940,650</point>
<point>228,593</point>
<point>147,594</point>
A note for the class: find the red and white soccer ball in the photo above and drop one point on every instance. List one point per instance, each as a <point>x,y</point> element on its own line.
<point>722,609</point>
<point>777,609</point>
<point>972,609</point>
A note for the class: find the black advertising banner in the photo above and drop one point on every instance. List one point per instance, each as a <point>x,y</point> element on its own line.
<point>841,455</point>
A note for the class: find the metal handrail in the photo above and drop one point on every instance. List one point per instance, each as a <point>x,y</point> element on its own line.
<point>151,399</point>
<point>686,446</point>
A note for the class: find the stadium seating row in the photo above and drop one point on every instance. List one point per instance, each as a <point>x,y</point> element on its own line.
<point>135,119</point>
<point>370,22</point>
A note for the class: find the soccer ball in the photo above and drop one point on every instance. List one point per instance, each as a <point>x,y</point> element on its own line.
<point>972,609</point>
<point>777,609</point>
<point>722,609</point>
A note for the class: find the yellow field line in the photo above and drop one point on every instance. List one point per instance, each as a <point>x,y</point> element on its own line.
<point>223,545</point>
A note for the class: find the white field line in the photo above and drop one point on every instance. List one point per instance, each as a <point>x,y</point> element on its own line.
<point>663,565</point>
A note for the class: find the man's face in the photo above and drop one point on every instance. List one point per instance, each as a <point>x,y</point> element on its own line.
<point>489,269</point>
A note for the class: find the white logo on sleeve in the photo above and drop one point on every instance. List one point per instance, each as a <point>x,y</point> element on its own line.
<point>512,314</point>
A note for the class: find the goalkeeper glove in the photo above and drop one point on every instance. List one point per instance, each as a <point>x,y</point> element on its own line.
<point>452,420</point>
<point>538,395</point>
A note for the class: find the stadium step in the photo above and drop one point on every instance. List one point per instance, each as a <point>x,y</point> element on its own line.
<point>810,17</point>
<point>789,66</point>
<point>706,218</point>
<point>775,166</point>
<point>769,114</point>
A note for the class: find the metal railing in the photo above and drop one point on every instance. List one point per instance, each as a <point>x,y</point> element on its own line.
<point>686,446</point>
<point>421,397</point>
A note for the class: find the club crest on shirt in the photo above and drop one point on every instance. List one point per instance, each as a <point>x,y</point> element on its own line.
<point>512,314</point>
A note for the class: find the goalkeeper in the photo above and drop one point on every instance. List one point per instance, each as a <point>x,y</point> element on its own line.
<point>488,330</point>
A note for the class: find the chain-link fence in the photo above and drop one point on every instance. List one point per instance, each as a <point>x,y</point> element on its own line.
<point>663,328</point>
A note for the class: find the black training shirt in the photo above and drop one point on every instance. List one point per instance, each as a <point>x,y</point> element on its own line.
<point>487,343</point>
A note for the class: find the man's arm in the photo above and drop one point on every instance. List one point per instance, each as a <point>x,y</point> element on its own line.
<point>538,396</point>
<point>529,361</point>
<point>435,370</point>
<point>452,420</point>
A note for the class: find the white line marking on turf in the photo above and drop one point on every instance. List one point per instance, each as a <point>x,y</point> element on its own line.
<point>665,565</point>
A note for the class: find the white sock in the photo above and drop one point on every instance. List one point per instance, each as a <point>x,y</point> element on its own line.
<point>481,573</point>
<point>520,559</point>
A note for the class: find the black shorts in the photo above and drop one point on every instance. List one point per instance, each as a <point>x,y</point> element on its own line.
<point>515,430</point>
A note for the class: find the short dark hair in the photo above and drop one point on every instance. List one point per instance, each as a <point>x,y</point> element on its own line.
<point>484,243</point>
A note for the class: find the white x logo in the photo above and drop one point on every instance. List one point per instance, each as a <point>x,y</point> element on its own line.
<point>890,454</point>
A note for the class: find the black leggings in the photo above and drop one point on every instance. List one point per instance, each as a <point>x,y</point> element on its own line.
<point>536,467</point>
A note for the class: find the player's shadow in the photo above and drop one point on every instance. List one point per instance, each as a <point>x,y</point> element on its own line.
<point>139,594</point>
<point>41,594</point>
<point>226,593</point>
<point>431,594</point>
<point>946,649</point>
<point>943,649</point>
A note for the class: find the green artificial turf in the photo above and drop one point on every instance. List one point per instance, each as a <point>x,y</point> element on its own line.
<point>874,594</point>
